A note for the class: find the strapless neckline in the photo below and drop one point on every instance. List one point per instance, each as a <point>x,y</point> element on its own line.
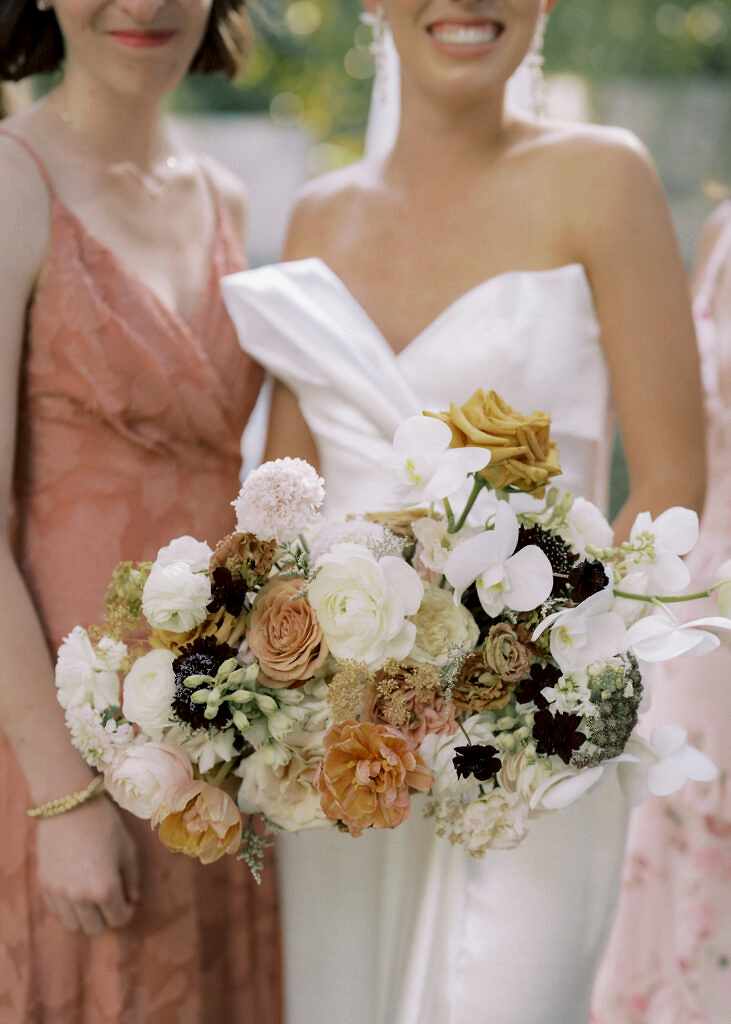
<point>318,265</point>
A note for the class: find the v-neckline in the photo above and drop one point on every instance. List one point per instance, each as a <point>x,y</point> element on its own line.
<point>444,315</point>
<point>185,324</point>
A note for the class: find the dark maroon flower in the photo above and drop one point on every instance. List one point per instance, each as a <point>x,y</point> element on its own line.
<point>586,579</point>
<point>227,591</point>
<point>540,677</point>
<point>557,551</point>
<point>203,657</point>
<point>557,734</point>
<point>478,760</point>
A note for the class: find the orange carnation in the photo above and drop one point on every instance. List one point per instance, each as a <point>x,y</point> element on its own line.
<point>367,774</point>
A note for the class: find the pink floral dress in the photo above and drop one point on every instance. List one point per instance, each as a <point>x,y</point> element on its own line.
<point>669,960</point>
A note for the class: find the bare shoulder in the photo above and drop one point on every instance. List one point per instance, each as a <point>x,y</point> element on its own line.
<point>599,159</point>
<point>321,205</point>
<point>24,202</point>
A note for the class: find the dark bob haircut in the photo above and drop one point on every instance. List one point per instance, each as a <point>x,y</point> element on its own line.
<point>31,42</point>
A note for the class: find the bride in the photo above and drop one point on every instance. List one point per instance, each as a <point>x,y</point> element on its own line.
<point>481,248</point>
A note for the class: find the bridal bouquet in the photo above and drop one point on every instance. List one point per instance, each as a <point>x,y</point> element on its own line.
<point>480,643</point>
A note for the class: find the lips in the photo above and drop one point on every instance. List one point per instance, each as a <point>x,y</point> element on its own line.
<point>143,39</point>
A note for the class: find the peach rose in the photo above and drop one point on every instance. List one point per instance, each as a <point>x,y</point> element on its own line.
<point>366,776</point>
<point>284,634</point>
<point>202,822</point>
<point>522,452</point>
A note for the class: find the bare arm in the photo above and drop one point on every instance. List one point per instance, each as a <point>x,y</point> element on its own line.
<point>624,236</point>
<point>82,856</point>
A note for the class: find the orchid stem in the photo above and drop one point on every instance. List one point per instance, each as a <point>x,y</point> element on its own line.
<point>478,485</point>
<point>655,599</point>
<point>450,516</point>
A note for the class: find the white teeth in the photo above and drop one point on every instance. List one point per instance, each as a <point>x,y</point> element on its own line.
<point>466,35</point>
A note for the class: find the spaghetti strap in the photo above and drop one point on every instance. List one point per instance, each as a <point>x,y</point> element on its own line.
<point>41,167</point>
<point>714,268</point>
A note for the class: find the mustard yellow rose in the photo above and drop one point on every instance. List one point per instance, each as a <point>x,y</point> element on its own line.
<point>522,452</point>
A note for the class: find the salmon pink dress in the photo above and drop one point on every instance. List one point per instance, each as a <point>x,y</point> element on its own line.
<point>669,960</point>
<point>130,426</point>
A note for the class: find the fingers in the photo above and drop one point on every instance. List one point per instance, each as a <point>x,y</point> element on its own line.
<point>63,909</point>
<point>90,919</point>
<point>116,910</point>
<point>130,867</point>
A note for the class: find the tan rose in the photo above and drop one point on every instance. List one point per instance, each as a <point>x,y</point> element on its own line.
<point>522,453</point>
<point>367,775</point>
<point>284,634</point>
<point>410,698</point>
<point>245,554</point>
<point>505,655</point>
<point>202,822</point>
<point>221,625</point>
<point>479,689</point>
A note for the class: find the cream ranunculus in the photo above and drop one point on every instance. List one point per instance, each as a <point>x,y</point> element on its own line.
<point>195,553</point>
<point>84,676</point>
<point>284,793</point>
<point>363,603</point>
<point>148,692</point>
<point>442,628</point>
<point>148,778</point>
<point>175,598</point>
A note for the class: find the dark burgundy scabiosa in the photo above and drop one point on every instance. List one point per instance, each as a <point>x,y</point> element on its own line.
<point>203,657</point>
<point>476,759</point>
<point>557,551</point>
<point>557,734</point>
<point>540,677</point>
<point>586,579</point>
<point>227,591</point>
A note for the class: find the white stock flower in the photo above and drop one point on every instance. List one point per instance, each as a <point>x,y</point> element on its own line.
<point>84,676</point>
<point>571,695</point>
<point>426,467</point>
<point>496,821</point>
<point>662,766</point>
<point>442,628</point>
<point>285,793</point>
<point>175,598</point>
<point>98,744</point>
<point>280,500</point>
<point>521,581</point>
<point>206,748</point>
<point>669,537</point>
<point>146,779</point>
<point>195,553</point>
<point>363,604</point>
<point>586,526</point>
<point>585,634</point>
<point>661,638</point>
<point>148,692</point>
<point>723,592</point>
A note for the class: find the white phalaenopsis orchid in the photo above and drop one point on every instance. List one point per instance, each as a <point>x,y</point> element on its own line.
<point>660,637</point>
<point>586,526</point>
<point>427,468</point>
<point>662,766</point>
<point>521,581</point>
<point>669,537</point>
<point>585,634</point>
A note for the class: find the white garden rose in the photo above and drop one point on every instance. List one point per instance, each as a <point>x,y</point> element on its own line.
<point>148,692</point>
<point>363,603</point>
<point>587,527</point>
<point>85,677</point>
<point>147,779</point>
<point>195,553</point>
<point>175,598</point>
<point>497,821</point>
<point>442,628</point>
<point>285,793</point>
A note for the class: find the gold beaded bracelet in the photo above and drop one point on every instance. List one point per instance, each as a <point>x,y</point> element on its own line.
<point>68,803</point>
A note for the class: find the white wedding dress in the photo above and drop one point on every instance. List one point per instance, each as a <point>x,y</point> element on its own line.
<point>400,927</point>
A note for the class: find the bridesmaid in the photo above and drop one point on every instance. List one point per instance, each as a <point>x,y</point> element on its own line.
<point>669,961</point>
<point>123,395</point>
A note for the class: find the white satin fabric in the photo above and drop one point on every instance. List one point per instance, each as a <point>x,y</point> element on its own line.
<point>399,927</point>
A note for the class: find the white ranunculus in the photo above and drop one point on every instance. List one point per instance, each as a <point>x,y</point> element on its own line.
<point>587,527</point>
<point>363,604</point>
<point>723,592</point>
<point>285,793</point>
<point>148,692</point>
<point>85,677</point>
<point>590,632</point>
<point>146,779</point>
<point>175,598</point>
<point>195,553</point>
<point>442,628</point>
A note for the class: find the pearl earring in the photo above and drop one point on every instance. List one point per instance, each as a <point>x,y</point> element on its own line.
<point>378,25</point>
<point>44,5</point>
<point>535,62</point>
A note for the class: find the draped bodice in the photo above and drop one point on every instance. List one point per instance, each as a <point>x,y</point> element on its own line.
<point>532,336</point>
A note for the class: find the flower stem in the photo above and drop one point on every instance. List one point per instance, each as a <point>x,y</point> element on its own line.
<point>478,485</point>
<point>222,773</point>
<point>466,736</point>
<point>450,516</point>
<point>655,598</point>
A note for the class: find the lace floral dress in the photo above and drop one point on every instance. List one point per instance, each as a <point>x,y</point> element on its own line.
<point>131,419</point>
<point>669,960</point>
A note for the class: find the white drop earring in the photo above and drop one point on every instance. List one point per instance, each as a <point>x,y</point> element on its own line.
<point>535,62</point>
<point>378,25</point>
